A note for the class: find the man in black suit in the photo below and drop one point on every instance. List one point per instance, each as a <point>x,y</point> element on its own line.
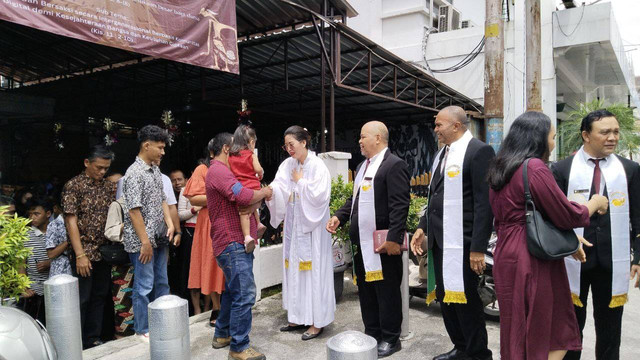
<point>380,299</point>
<point>464,322</point>
<point>600,135</point>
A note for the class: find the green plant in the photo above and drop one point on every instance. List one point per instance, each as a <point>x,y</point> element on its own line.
<point>571,137</point>
<point>417,205</point>
<point>13,255</point>
<point>340,192</point>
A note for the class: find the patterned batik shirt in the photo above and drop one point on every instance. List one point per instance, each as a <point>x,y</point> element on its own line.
<point>142,188</point>
<point>56,235</point>
<point>89,201</point>
<point>38,254</point>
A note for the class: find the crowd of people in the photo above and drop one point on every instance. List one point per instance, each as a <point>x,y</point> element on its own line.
<point>195,236</point>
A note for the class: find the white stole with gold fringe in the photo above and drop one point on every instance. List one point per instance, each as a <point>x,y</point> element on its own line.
<point>578,189</point>
<point>367,217</point>
<point>452,224</point>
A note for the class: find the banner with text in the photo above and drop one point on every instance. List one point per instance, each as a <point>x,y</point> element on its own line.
<point>197,32</point>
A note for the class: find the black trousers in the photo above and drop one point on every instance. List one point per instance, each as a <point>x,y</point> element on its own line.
<point>93,291</point>
<point>465,323</point>
<point>381,301</point>
<point>34,306</point>
<point>608,321</point>
<point>179,262</point>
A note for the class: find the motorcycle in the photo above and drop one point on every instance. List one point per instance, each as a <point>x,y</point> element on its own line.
<point>486,286</point>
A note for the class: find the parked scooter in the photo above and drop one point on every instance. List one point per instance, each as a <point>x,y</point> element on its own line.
<point>486,287</point>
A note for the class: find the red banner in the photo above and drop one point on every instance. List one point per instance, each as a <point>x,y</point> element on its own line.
<point>197,32</point>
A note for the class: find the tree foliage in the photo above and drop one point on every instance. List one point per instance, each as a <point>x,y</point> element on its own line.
<point>571,138</point>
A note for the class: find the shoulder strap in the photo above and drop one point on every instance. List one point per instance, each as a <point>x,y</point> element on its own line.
<point>528,200</point>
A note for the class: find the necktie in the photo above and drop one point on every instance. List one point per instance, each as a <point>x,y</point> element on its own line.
<point>366,167</point>
<point>443,162</point>
<point>595,184</point>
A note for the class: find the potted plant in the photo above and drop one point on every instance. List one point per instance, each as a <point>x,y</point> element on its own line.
<point>340,192</point>
<point>13,256</point>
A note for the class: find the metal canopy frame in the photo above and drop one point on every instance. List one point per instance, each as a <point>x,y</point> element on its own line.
<point>305,63</point>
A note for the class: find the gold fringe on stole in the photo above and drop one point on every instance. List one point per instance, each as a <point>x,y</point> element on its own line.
<point>457,297</point>
<point>286,263</point>
<point>304,265</point>
<point>430,297</point>
<point>618,300</point>
<point>355,280</point>
<point>373,276</point>
<point>576,300</point>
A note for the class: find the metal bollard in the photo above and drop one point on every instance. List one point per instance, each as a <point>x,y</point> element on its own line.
<point>169,328</point>
<point>62,307</point>
<point>352,345</point>
<point>405,334</point>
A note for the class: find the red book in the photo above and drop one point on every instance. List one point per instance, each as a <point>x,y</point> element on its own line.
<point>380,236</point>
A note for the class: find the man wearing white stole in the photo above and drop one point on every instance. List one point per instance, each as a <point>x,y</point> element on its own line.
<point>301,194</point>
<point>380,201</point>
<point>458,224</point>
<point>595,169</point>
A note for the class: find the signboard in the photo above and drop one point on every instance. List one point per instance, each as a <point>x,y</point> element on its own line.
<point>197,32</point>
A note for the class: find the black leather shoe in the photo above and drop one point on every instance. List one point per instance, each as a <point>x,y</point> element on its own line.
<point>454,354</point>
<point>385,349</point>
<point>287,328</point>
<point>307,336</point>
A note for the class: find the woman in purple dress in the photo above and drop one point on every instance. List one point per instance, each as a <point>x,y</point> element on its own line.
<point>537,319</point>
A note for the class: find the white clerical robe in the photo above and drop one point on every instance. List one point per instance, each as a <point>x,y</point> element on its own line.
<point>307,285</point>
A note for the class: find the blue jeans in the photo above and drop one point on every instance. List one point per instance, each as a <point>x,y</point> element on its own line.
<point>149,283</point>
<point>238,297</point>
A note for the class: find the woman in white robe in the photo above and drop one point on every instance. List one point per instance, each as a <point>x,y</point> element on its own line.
<point>301,195</point>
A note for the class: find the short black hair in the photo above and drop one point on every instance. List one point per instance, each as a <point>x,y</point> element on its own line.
<point>299,133</point>
<point>45,203</point>
<point>6,201</point>
<point>218,142</point>
<point>152,133</point>
<point>177,170</point>
<point>100,152</point>
<point>596,115</point>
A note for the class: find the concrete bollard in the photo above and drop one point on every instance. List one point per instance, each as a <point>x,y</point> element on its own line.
<point>169,328</point>
<point>62,304</point>
<point>352,345</point>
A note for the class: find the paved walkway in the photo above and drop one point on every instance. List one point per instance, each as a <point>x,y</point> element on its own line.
<point>426,324</point>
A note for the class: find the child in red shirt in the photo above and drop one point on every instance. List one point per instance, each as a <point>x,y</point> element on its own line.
<point>245,166</point>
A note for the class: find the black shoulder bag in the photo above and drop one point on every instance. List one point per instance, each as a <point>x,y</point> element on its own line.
<point>544,240</point>
<point>113,253</point>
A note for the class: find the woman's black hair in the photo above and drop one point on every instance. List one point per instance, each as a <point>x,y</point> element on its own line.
<point>299,133</point>
<point>527,138</point>
<point>241,137</point>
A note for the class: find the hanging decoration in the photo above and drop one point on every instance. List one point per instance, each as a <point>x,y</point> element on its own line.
<point>170,124</point>
<point>244,113</point>
<point>112,131</point>
<point>57,137</point>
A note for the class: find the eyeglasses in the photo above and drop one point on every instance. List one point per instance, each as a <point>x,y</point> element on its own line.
<point>288,146</point>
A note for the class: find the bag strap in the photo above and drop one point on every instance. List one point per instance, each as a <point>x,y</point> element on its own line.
<point>528,200</point>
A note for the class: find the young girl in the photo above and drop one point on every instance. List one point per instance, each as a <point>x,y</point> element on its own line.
<point>247,169</point>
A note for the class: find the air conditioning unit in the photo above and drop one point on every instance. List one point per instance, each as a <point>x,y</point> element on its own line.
<point>448,18</point>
